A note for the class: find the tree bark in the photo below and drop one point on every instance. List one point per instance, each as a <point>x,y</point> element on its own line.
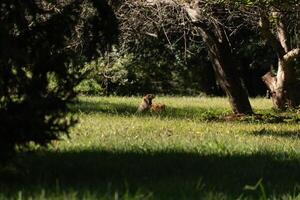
<point>227,75</point>
<point>277,93</point>
<point>223,61</point>
<point>283,85</point>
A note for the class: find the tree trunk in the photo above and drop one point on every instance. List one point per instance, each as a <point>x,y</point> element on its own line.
<point>224,64</point>
<point>227,75</point>
<point>283,85</point>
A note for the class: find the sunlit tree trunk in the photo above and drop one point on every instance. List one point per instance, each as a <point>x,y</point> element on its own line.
<point>282,86</point>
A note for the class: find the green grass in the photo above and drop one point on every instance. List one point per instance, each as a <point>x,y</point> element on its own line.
<point>190,151</point>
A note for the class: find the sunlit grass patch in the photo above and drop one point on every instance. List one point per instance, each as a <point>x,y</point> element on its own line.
<point>190,151</point>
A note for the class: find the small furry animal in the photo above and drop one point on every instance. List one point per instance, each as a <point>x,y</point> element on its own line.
<point>146,103</point>
<point>157,107</point>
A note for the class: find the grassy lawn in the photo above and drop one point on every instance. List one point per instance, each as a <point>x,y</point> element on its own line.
<point>191,151</point>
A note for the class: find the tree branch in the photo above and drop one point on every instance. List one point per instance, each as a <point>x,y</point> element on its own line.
<point>266,32</point>
<point>289,56</point>
<point>281,30</point>
<point>192,13</point>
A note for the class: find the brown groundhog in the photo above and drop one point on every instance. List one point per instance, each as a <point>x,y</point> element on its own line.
<point>146,103</point>
<point>157,107</point>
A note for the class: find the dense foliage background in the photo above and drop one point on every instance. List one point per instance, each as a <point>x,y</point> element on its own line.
<point>160,51</point>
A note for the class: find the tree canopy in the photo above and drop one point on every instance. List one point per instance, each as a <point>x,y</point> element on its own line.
<point>225,27</point>
<point>43,46</point>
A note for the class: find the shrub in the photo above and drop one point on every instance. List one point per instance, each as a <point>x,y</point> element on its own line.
<point>43,48</point>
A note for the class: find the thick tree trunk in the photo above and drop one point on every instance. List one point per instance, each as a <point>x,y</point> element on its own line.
<point>283,86</point>
<point>227,76</point>
<point>222,60</point>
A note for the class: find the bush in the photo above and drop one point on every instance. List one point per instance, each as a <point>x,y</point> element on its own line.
<point>43,48</point>
<point>89,87</point>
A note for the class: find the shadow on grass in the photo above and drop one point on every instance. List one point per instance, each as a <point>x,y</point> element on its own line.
<point>103,107</point>
<point>187,112</point>
<point>272,133</point>
<point>167,175</point>
<point>124,109</point>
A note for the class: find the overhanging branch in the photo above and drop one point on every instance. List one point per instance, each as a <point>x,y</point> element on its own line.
<point>192,13</point>
<point>289,56</point>
<point>266,32</point>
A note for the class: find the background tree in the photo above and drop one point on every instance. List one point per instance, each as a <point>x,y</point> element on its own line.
<point>279,25</point>
<point>167,57</point>
<point>172,21</point>
<point>43,46</point>
<point>163,52</point>
<point>217,23</point>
